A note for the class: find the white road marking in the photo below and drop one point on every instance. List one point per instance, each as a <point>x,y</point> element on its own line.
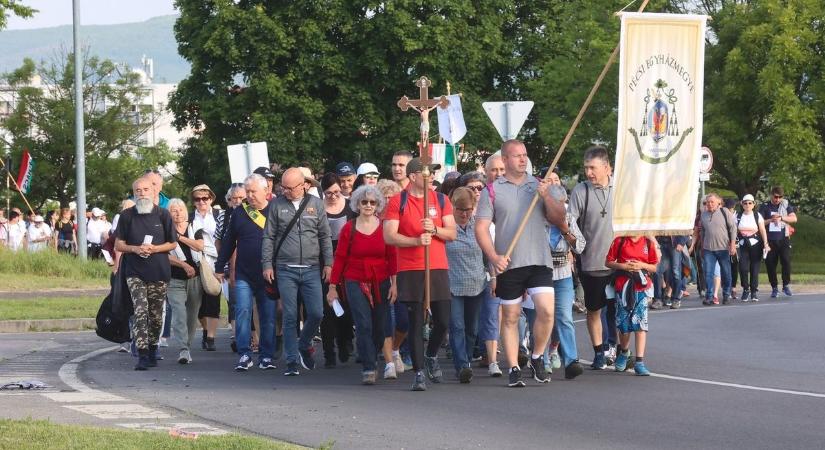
<point>192,427</point>
<point>120,411</point>
<point>83,397</point>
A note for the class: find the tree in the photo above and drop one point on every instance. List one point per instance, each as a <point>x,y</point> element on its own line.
<point>13,7</point>
<point>43,123</point>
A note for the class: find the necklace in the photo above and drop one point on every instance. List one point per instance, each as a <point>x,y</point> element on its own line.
<point>604,203</point>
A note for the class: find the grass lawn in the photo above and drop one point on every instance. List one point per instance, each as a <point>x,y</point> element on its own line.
<point>29,282</point>
<point>49,270</point>
<point>41,434</point>
<point>50,308</point>
<point>808,252</point>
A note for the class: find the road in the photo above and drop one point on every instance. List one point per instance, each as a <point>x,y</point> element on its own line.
<point>739,376</point>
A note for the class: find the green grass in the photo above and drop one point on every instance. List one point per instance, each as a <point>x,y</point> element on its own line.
<point>28,283</point>
<point>49,270</point>
<point>41,434</point>
<point>808,254</point>
<point>49,308</point>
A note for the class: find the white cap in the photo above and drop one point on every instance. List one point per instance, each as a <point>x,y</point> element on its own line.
<point>747,197</point>
<point>366,168</point>
<point>37,219</point>
<point>97,212</point>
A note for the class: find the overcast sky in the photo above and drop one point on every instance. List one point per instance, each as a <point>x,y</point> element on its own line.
<point>92,12</point>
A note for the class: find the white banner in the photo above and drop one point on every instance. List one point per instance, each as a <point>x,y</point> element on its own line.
<point>661,75</point>
<point>451,125</point>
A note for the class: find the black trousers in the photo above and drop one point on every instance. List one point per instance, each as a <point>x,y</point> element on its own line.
<point>441,323</point>
<point>334,329</point>
<point>780,252</point>
<point>750,261</point>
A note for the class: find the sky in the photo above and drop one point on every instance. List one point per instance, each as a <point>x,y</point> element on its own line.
<point>53,13</point>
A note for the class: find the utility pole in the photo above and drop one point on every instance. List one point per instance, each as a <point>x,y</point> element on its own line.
<point>80,154</point>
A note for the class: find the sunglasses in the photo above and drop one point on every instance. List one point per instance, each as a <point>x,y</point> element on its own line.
<point>368,202</point>
<point>778,196</point>
<point>201,199</point>
<point>371,177</point>
<point>476,188</point>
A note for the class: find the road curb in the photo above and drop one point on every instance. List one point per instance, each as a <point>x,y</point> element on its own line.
<point>26,326</point>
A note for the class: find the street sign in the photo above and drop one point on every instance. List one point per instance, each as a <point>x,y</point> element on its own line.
<point>244,158</point>
<point>508,117</point>
<point>705,160</point>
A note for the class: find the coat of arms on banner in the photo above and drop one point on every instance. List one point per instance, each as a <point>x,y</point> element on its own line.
<point>659,136</point>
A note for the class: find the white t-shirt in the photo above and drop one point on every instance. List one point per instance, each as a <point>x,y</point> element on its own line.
<point>206,223</point>
<point>747,223</point>
<point>16,235</point>
<point>95,229</point>
<point>36,233</point>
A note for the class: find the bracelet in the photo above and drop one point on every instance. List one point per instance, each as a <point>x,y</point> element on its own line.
<point>435,231</point>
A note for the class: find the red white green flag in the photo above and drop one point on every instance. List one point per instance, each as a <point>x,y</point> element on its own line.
<point>24,176</point>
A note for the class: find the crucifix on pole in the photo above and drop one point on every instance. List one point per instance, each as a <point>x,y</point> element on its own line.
<point>423,106</point>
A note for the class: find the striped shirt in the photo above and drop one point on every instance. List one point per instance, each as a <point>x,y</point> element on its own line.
<point>467,274</point>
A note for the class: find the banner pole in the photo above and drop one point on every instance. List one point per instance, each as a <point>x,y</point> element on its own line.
<point>9,177</point>
<point>567,138</point>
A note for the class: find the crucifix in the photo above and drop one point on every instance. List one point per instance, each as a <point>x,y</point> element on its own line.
<point>423,106</point>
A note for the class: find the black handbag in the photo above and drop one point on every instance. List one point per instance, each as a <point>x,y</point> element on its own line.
<point>111,326</point>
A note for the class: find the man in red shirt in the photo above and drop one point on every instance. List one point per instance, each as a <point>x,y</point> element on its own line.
<point>407,227</point>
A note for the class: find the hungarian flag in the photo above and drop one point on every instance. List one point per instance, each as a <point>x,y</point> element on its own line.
<point>24,176</point>
<point>446,155</point>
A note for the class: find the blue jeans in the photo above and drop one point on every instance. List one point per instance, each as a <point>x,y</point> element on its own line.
<point>563,330</point>
<point>369,321</point>
<point>711,258</point>
<point>488,320</point>
<point>244,293</point>
<point>308,281</point>
<point>464,326</point>
<point>676,279</point>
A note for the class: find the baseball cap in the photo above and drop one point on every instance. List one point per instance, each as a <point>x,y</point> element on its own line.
<point>264,172</point>
<point>747,198</point>
<point>415,165</point>
<point>366,168</point>
<point>38,218</point>
<point>97,212</point>
<point>344,169</point>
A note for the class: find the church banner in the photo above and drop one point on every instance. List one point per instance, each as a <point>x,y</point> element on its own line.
<point>661,75</point>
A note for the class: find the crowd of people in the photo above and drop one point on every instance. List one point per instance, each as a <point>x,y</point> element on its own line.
<point>342,260</point>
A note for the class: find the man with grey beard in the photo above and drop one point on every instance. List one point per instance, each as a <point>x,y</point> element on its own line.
<point>145,236</point>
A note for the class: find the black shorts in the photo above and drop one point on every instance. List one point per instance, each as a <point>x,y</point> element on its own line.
<point>513,283</point>
<point>411,286</point>
<point>210,306</point>
<point>594,286</point>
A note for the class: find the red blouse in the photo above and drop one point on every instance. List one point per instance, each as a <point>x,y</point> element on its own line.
<point>363,257</point>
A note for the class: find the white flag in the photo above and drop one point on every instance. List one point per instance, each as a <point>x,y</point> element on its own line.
<point>451,121</point>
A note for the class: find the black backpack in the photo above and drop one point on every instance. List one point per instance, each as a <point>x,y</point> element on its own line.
<point>110,326</point>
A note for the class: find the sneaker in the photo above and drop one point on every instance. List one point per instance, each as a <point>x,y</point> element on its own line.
<point>707,302</point>
<point>407,359</point>
<point>746,296</point>
<point>493,370</point>
<point>774,292</point>
<point>124,348</point>
<point>621,361</point>
<point>676,304</point>
<point>266,364</point>
<point>515,378</point>
<point>291,370</point>
<point>573,370</point>
<point>555,361</point>
<point>399,363</point>
<point>305,356</point>
<point>163,342</point>
<point>656,304</point>
<point>537,367</point>
<point>523,359</point>
<point>433,369</point>
<point>641,369</point>
<point>184,357</point>
<point>668,303</point>
<point>390,372</point>
<point>465,375</point>
<point>787,291</point>
<point>368,378</point>
<point>419,383</point>
<point>244,363</point>
<point>610,355</point>
<point>726,299</point>
<point>598,362</point>
<point>754,297</point>
<point>210,344</point>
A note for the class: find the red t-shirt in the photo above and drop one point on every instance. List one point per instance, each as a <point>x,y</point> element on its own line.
<point>368,258</point>
<point>643,250</point>
<point>409,224</point>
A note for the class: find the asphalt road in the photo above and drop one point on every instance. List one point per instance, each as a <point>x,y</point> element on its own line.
<point>740,376</point>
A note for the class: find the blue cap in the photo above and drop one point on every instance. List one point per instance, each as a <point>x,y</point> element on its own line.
<point>344,169</point>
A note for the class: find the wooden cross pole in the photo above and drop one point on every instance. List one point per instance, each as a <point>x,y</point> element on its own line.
<point>423,106</point>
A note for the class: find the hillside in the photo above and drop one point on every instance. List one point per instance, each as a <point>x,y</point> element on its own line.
<point>124,43</point>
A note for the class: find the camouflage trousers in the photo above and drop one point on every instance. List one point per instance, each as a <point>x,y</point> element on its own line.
<point>148,298</point>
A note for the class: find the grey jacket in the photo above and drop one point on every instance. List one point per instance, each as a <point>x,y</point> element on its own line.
<point>308,243</point>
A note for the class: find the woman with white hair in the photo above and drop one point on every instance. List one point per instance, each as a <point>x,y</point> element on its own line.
<point>366,267</point>
<point>184,292</point>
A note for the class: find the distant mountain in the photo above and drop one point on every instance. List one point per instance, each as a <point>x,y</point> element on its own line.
<point>123,43</point>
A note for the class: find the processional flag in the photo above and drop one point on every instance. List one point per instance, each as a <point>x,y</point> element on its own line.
<point>661,75</point>
<point>26,172</point>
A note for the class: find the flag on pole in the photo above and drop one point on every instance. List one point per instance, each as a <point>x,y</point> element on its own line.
<point>444,154</point>
<point>451,125</point>
<point>24,176</point>
<point>660,123</point>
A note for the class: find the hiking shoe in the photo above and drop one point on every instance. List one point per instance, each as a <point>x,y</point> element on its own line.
<point>291,370</point>
<point>389,372</point>
<point>787,291</point>
<point>599,362</point>
<point>555,361</point>
<point>306,358</point>
<point>210,344</point>
<point>656,304</point>
<point>184,357</point>
<point>676,304</point>
<point>621,361</point>
<point>419,383</point>
<point>398,363</point>
<point>368,377</point>
<point>266,364</point>
<point>573,370</point>
<point>754,297</point>
<point>523,359</point>
<point>515,378</point>
<point>539,372</point>
<point>774,292</point>
<point>493,370</point>
<point>244,364</point>
<point>641,369</point>
<point>433,368</point>
<point>465,375</point>
<point>143,362</point>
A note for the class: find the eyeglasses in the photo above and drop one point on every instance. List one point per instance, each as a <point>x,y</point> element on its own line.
<point>332,193</point>
<point>287,188</point>
<point>368,202</point>
<point>200,199</point>
<point>370,176</point>
<point>778,196</point>
<point>476,188</point>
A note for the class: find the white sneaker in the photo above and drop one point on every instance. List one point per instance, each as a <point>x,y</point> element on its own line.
<point>390,372</point>
<point>493,370</point>
<point>184,357</point>
<point>163,343</point>
<point>399,363</point>
<point>555,360</point>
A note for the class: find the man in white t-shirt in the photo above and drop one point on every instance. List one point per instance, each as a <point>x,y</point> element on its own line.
<point>39,234</point>
<point>94,230</point>
<point>16,235</point>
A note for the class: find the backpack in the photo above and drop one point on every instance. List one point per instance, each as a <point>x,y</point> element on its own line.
<point>405,198</point>
<point>110,326</point>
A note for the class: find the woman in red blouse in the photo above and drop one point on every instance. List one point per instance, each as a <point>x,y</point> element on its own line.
<point>365,267</point>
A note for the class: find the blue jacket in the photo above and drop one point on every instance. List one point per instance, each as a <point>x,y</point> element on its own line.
<point>245,236</point>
